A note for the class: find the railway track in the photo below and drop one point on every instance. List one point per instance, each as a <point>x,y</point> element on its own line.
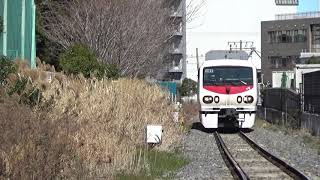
<point>247,160</point>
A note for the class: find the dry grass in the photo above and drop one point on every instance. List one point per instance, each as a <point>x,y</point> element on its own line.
<point>190,113</point>
<point>86,128</point>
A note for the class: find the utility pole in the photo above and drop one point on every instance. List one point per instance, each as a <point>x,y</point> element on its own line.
<point>197,56</point>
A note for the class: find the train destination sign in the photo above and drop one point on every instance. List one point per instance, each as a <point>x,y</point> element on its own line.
<point>287,2</point>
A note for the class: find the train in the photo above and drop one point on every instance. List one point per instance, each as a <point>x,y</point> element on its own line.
<point>227,93</point>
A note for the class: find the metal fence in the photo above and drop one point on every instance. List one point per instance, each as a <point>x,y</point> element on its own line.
<point>311,92</point>
<point>285,100</point>
<point>171,88</point>
<point>281,106</point>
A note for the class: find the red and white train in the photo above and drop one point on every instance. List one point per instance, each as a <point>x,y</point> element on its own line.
<point>228,93</point>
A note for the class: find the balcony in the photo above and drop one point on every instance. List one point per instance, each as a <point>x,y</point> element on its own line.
<point>176,51</point>
<point>177,33</point>
<point>176,69</point>
<point>176,14</point>
<point>176,48</point>
<point>176,11</point>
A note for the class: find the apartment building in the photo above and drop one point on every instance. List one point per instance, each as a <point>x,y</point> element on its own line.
<point>285,39</point>
<point>176,57</point>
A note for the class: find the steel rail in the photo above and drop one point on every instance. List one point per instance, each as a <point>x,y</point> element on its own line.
<point>291,171</point>
<point>233,165</point>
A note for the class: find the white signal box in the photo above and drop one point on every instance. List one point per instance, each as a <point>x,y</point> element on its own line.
<point>154,134</point>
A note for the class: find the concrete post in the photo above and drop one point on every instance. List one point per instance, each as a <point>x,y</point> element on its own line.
<point>23,25</point>
<point>5,27</point>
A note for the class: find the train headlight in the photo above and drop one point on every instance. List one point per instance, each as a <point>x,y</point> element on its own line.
<point>248,99</point>
<point>216,99</point>
<point>239,99</point>
<point>207,99</point>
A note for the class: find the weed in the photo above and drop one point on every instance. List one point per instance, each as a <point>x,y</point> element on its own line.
<point>160,164</point>
<point>6,67</point>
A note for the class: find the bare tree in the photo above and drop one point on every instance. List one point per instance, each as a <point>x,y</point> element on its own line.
<point>129,33</point>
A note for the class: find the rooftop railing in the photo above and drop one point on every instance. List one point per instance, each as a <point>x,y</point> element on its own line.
<point>302,15</point>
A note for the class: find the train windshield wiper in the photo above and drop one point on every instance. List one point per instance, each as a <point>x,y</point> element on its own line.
<point>239,82</point>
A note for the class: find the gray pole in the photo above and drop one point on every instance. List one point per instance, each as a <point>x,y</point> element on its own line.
<point>197,56</point>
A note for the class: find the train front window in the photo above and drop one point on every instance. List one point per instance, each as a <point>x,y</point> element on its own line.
<point>226,75</point>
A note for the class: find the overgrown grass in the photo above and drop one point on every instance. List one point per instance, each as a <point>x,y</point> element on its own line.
<point>190,114</point>
<point>309,140</point>
<point>159,164</point>
<point>81,129</point>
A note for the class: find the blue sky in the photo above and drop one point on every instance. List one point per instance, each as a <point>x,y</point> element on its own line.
<point>308,5</point>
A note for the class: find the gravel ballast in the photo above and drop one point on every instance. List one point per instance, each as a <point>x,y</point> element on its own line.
<point>289,148</point>
<point>205,161</point>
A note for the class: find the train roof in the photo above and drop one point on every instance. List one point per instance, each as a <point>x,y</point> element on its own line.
<point>226,54</point>
<point>228,62</point>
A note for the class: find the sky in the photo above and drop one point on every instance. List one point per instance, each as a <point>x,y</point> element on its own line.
<point>308,5</point>
<point>220,21</point>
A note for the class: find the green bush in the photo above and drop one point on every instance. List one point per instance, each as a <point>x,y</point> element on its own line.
<point>313,60</point>
<point>6,67</point>
<point>28,93</point>
<point>79,59</point>
<point>188,87</point>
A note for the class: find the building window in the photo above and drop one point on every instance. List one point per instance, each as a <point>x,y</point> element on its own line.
<point>315,38</point>
<point>276,62</point>
<point>288,36</point>
<point>301,36</point>
<point>272,37</point>
<point>284,62</point>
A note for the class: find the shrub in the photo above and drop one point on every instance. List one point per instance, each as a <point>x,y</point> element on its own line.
<point>28,93</point>
<point>188,87</point>
<point>79,59</point>
<point>6,67</point>
<point>313,60</point>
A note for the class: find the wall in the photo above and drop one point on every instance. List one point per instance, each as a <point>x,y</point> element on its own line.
<point>17,41</point>
<point>277,78</point>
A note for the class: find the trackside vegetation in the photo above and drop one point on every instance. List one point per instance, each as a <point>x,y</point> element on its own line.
<point>61,126</point>
<point>79,59</point>
<point>160,165</point>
